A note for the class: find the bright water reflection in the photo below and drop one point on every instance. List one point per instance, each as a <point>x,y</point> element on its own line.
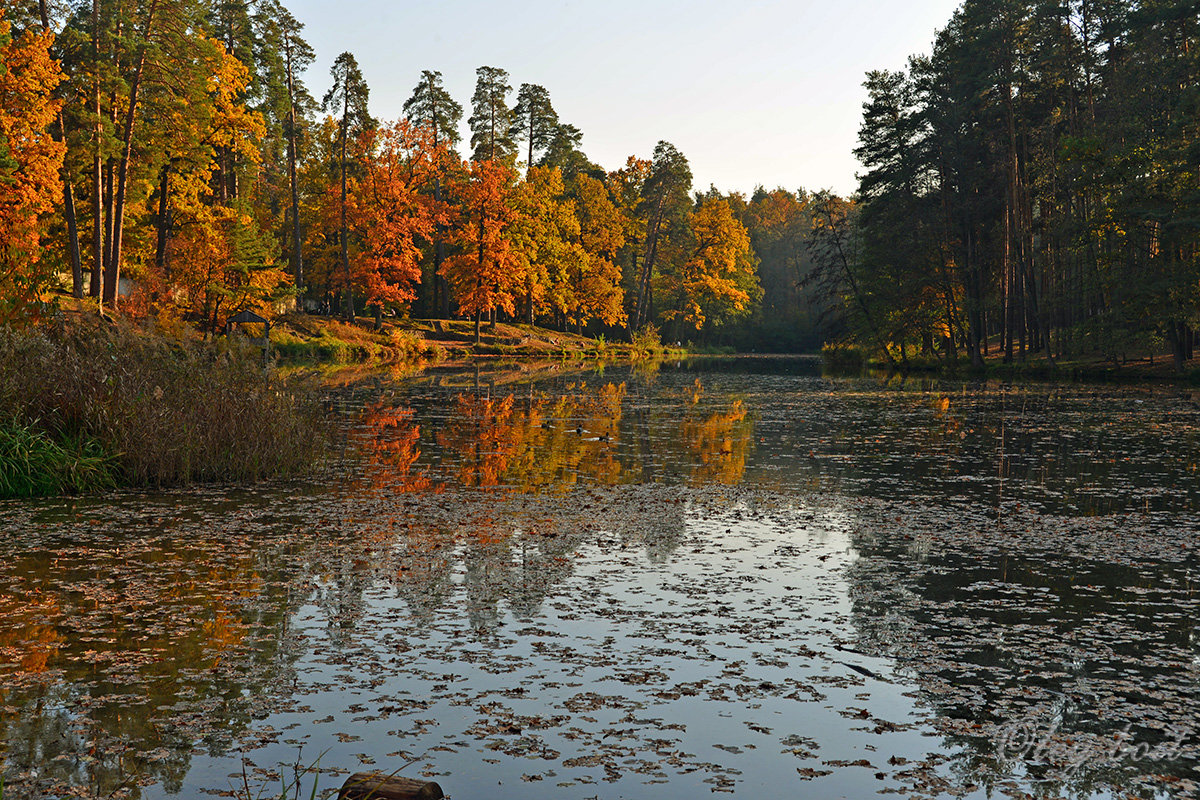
<point>1064,449</point>
<point>636,584</point>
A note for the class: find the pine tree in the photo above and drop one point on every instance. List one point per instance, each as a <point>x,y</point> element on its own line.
<point>534,120</point>
<point>432,107</point>
<point>286,55</point>
<point>348,97</point>
<point>491,118</point>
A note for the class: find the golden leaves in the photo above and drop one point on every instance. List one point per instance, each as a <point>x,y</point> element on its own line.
<point>29,163</point>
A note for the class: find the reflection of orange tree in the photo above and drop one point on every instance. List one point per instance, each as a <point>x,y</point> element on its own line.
<point>719,442</point>
<point>29,638</point>
<point>537,444</point>
<point>390,439</point>
<point>484,436</point>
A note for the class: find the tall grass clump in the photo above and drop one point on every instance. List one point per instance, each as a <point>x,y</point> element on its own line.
<point>159,412</point>
<point>32,464</point>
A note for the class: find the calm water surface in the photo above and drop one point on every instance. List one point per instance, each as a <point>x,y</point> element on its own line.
<point>735,577</point>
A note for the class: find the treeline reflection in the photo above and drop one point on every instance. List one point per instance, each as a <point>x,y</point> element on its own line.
<point>122,652</point>
<point>547,439</point>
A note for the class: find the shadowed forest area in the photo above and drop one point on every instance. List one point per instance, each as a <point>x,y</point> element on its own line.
<point>1030,187</point>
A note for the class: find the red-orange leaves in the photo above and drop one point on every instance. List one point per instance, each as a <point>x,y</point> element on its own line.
<point>484,275</point>
<point>391,215</point>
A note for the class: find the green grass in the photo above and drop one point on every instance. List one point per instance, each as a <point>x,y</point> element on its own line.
<point>32,464</point>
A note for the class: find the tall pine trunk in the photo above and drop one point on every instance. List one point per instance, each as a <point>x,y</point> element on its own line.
<point>112,275</point>
<point>349,306</point>
<point>294,185</point>
<point>97,165</point>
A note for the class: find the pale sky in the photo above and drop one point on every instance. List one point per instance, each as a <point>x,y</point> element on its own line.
<point>761,91</point>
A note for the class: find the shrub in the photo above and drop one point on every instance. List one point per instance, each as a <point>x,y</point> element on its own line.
<point>843,358</point>
<point>165,412</point>
<point>646,339</point>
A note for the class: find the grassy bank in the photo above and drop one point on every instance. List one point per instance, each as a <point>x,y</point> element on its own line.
<point>90,404</point>
<point>303,338</point>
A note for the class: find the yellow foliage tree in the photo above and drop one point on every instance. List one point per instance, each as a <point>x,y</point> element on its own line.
<point>545,240</point>
<point>596,278</point>
<point>717,280</point>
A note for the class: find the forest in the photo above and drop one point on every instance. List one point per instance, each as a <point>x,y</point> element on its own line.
<point>1032,187</point>
<point>168,159</point>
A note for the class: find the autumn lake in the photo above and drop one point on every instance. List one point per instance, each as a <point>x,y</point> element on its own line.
<point>666,581</point>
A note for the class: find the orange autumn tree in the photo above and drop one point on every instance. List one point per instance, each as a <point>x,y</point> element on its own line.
<point>30,161</point>
<point>391,214</point>
<point>223,264</point>
<point>321,211</point>
<point>484,275</point>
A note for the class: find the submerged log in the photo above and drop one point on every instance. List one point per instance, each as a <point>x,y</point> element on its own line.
<point>381,786</point>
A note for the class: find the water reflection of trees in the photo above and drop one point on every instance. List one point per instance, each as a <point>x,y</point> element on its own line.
<point>1038,662</point>
<point>719,441</point>
<point>536,442</point>
<point>117,656</point>
<point>551,437</point>
<point>511,558</point>
<point>539,439</point>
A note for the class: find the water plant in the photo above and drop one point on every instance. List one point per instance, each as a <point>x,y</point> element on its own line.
<point>289,788</point>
